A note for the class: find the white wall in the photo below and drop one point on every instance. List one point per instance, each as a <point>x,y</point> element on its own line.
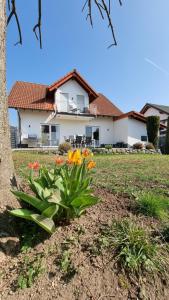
<point>106,129</point>
<point>136,129</point>
<point>155,112</point>
<point>125,130</point>
<point>129,131</point>
<point>73,89</point>
<point>121,131</point>
<point>31,120</point>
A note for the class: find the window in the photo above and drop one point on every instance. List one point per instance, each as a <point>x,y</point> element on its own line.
<point>50,135</point>
<point>80,103</point>
<point>93,132</point>
<point>45,128</point>
<point>144,138</point>
<point>64,99</point>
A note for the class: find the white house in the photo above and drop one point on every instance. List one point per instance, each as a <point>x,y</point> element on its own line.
<point>156,110</point>
<point>49,115</point>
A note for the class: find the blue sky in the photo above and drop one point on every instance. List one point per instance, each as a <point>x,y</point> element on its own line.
<point>131,74</point>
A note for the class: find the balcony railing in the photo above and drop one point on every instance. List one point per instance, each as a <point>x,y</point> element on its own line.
<point>84,110</point>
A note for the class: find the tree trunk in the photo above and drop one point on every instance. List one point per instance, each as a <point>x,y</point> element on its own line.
<point>6,163</point>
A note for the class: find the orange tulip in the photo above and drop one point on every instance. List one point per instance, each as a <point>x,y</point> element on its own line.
<point>34,166</point>
<point>91,164</point>
<point>59,161</point>
<point>86,152</point>
<point>69,161</point>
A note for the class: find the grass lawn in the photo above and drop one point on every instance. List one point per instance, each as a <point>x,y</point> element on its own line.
<point>120,174</point>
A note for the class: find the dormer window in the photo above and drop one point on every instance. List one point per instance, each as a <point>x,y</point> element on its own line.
<point>81,103</point>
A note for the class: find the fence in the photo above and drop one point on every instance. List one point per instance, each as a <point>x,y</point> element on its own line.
<point>14,136</point>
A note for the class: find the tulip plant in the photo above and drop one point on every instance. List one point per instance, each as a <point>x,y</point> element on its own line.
<point>60,193</point>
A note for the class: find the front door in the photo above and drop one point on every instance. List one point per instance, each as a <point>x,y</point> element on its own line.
<point>50,135</point>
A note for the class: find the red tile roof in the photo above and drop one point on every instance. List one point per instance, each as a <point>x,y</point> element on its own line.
<point>102,106</point>
<point>132,114</point>
<point>28,95</point>
<point>137,116</point>
<point>25,95</point>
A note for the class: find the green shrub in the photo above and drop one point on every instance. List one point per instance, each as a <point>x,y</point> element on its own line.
<point>153,205</point>
<point>64,147</point>
<point>132,248</point>
<point>60,193</point>
<point>108,147</point>
<point>153,124</point>
<point>150,146</point>
<point>138,146</point>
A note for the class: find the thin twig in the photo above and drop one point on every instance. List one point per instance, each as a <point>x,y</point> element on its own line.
<point>104,10</point>
<point>99,8</point>
<point>84,5</point>
<point>13,13</point>
<point>110,24</point>
<point>38,25</point>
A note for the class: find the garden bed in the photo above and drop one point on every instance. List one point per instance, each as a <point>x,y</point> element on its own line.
<point>92,277</point>
<point>67,264</point>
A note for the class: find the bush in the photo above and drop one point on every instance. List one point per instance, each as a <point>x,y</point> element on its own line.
<point>150,146</point>
<point>153,205</point>
<point>132,248</point>
<point>61,193</point>
<point>153,124</point>
<point>138,146</point>
<point>108,147</point>
<point>64,147</point>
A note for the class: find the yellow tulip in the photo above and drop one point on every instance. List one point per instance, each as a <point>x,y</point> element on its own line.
<point>75,156</point>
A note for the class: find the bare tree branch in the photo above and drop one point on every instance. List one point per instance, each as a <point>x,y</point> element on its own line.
<point>105,10</point>
<point>38,25</point>
<point>13,13</point>
<point>103,6</point>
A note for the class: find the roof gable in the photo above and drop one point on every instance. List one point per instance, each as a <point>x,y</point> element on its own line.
<point>161,108</point>
<point>76,76</point>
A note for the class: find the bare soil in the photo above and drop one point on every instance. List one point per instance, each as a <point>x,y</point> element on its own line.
<point>93,277</point>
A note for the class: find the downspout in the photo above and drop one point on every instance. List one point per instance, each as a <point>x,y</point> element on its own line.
<point>19,126</point>
<point>52,115</point>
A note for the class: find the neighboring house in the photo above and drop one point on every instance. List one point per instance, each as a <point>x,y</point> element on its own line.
<point>156,110</point>
<point>50,114</point>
